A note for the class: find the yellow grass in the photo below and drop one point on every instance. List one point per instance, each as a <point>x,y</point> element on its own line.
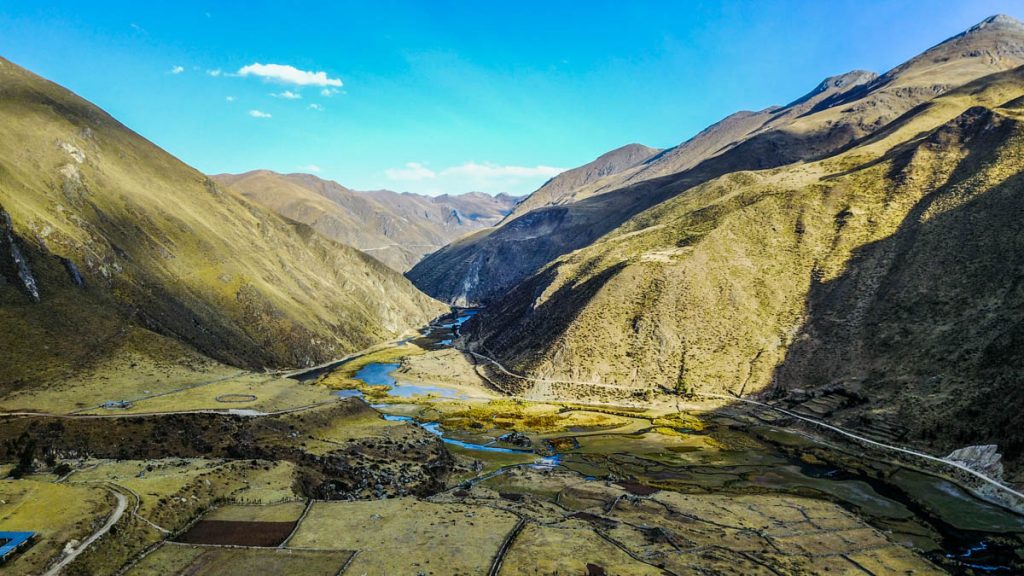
<point>132,372</point>
<point>272,394</point>
<point>200,560</point>
<point>57,513</point>
<point>283,512</point>
<point>154,481</point>
<point>544,550</point>
<point>406,535</point>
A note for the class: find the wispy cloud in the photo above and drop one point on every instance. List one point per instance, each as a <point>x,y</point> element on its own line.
<point>215,72</point>
<point>177,70</point>
<point>229,98</point>
<point>288,95</point>
<point>412,171</point>
<point>310,168</point>
<point>489,170</point>
<point>470,176</point>
<point>317,107</point>
<point>329,92</point>
<point>259,114</point>
<point>288,75</point>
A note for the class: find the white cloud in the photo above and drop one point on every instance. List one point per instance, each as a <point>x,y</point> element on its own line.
<point>329,92</point>
<point>288,95</point>
<point>215,72</point>
<point>229,98</point>
<point>317,107</point>
<point>471,176</point>
<point>310,168</point>
<point>177,70</point>
<point>259,114</point>
<point>412,171</point>
<point>488,170</point>
<point>288,75</point>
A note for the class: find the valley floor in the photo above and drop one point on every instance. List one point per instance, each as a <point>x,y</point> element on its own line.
<point>409,460</point>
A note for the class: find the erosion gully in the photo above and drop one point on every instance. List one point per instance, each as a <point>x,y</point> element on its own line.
<point>948,524</point>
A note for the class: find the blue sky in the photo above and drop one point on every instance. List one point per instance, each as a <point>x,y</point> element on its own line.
<point>438,96</point>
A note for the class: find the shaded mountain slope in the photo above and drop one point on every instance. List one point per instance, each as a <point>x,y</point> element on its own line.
<point>109,243</point>
<point>397,228</point>
<point>889,273</point>
<point>838,113</point>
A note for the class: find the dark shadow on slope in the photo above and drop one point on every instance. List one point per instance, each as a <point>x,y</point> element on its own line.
<point>928,324</point>
<point>526,341</point>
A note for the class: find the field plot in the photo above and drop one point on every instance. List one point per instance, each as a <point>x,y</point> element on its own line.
<point>245,525</point>
<point>407,536</point>
<point>541,550</point>
<point>273,482</point>
<point>237,533</point>
<point>202,561</point>
<point>57,513</point>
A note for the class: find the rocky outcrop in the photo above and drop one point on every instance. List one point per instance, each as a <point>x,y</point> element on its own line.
<point>984,459</point>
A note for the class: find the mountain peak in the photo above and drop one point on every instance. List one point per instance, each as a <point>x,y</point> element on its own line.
<point>996,26</point>
<point>997,20</point>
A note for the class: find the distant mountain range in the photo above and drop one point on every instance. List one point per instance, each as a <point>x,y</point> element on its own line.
<point>861,244</point>
<point>396,228</point>
<point>111,247</point>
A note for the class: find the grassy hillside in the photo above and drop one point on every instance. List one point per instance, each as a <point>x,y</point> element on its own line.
<point>837,114</point>
<point>398,229</point>
<point>129,249</point>
<point>890,271</point>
